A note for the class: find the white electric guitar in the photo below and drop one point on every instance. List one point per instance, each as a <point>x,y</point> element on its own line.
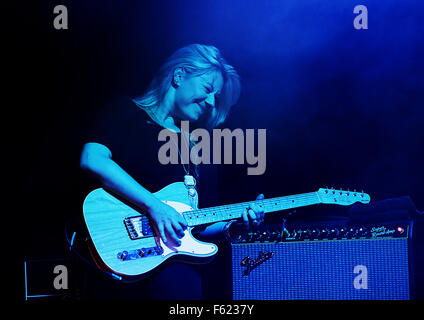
<point>127,247</point>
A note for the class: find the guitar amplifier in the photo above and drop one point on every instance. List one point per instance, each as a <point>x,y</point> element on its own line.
<point>323,263</point>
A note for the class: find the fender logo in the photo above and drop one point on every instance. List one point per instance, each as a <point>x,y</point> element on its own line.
<point>252,264</point>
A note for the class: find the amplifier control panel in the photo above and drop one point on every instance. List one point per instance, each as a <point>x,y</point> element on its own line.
<point>320,233</point>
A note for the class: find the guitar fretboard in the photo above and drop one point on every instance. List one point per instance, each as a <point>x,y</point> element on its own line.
<point>234,211</point>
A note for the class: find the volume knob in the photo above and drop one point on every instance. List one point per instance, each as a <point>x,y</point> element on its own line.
<point>123,255</point>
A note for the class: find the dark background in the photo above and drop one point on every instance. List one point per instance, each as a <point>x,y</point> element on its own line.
<point>342,107</point>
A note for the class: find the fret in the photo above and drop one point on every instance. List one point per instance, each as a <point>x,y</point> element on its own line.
<point>235,211</point>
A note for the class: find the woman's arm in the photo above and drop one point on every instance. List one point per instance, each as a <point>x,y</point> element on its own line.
<point>97,160</point>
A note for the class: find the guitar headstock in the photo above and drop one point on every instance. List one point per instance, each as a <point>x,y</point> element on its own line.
<point>342,197</point>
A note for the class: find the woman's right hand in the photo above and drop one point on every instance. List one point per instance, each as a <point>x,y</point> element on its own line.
<point>167,222</point>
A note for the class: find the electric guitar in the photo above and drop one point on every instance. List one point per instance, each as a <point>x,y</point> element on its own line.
<point>126,246</point>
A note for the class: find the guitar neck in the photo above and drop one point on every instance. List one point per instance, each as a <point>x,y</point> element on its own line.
<point>235,211</point>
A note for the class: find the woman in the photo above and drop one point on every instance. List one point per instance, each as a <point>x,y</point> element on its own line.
<point>195,84</point>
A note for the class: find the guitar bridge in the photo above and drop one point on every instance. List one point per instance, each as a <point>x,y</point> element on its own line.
<point>138,227</point>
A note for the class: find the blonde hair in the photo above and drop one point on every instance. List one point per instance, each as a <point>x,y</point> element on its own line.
<point>196,59</point>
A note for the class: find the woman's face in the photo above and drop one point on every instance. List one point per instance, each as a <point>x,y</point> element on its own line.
<point>195,96</point>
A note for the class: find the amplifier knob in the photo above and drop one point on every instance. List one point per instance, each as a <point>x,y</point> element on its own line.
<point>362,231</point>
<point>275,236</point>
<point>315,233</point>
<point>323,234</point>
<point>333,233</point>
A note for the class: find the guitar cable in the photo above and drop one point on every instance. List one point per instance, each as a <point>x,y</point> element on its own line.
<point>87,261</point>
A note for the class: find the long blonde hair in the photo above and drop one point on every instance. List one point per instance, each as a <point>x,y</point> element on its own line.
<point>196,59</point>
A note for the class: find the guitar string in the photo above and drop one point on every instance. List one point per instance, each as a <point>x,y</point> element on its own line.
<point>299,198</point>
<point>308,198</point>
<point>231,211</point>
<point>226,212</point>
<point>235,209</point>
<point>270,205</point>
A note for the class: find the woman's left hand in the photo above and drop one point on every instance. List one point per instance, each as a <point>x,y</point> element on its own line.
<point>254,214</point>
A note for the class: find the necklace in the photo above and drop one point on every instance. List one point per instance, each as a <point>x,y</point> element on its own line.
<point>189,180</point>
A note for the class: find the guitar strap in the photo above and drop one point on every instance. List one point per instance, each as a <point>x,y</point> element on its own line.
<point>190,183</point>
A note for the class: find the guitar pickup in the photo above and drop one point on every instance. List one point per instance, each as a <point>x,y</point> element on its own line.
<point>138,227</point>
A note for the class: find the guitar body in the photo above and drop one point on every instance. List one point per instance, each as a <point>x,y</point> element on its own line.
<point>124,240</point>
